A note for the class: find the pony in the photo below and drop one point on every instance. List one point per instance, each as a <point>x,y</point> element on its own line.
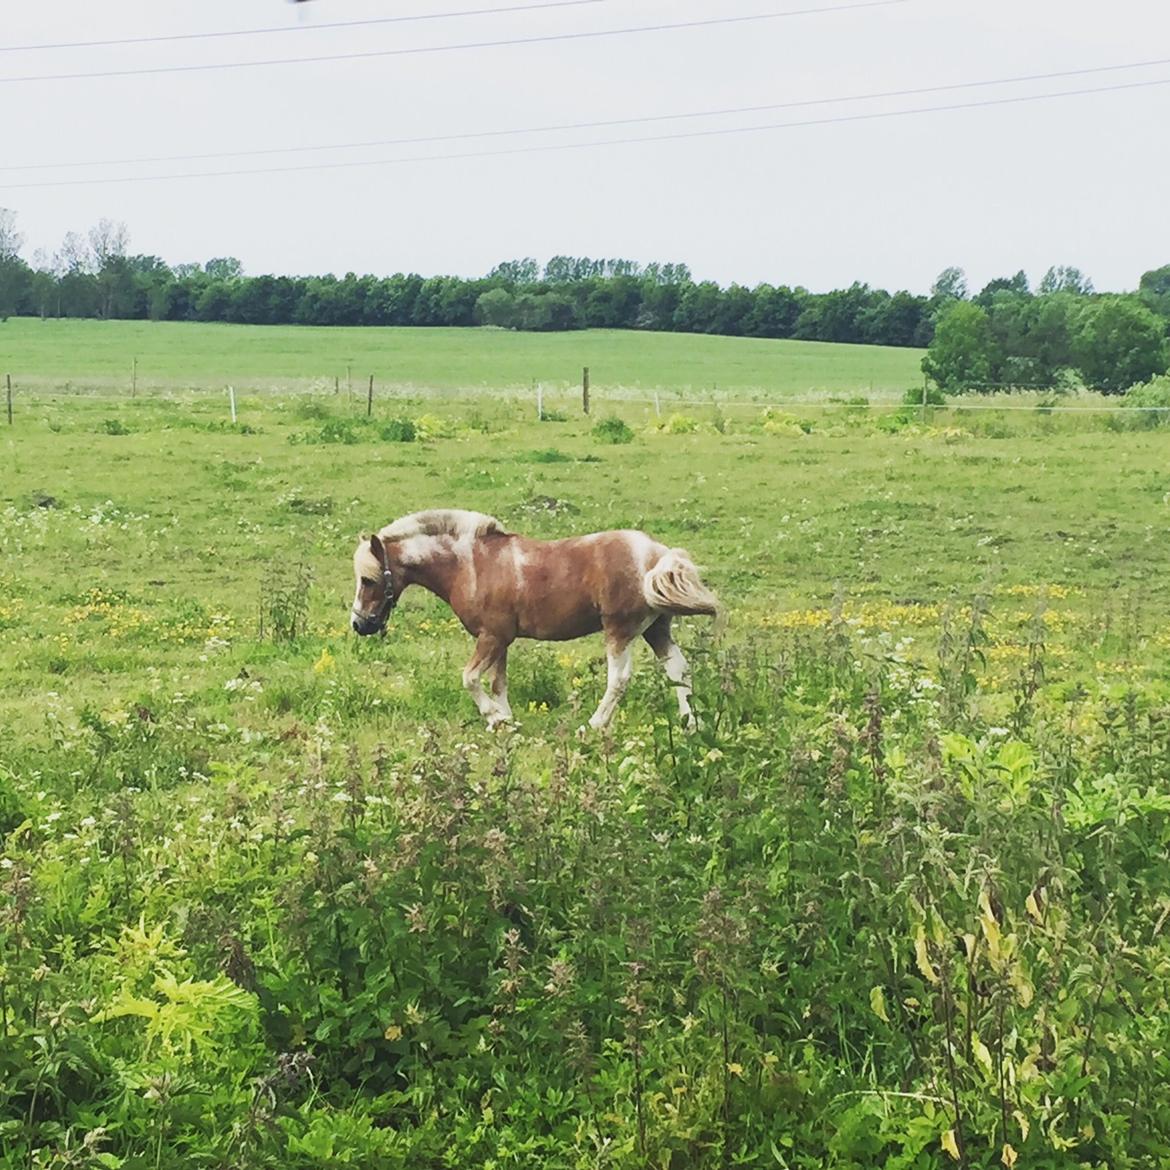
<point>502,586</point>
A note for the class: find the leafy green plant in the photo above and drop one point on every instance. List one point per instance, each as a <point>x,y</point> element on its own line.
<point>612,429</point>
<point>399,430</point>
<point>284,601</point>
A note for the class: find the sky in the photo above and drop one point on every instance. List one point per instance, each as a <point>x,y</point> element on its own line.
<point>1082,180</point>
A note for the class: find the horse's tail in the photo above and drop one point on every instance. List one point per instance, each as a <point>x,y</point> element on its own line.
<point>673,585</point>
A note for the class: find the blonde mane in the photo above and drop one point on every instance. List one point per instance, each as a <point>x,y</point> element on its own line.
<point>442,522</point>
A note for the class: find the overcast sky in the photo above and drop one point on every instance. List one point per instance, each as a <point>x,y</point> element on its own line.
<point>1082,180</point>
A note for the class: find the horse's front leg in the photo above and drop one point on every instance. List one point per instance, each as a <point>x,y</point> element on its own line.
<point>489,658</point>
<point>498,677</point>
<point>619,651</point>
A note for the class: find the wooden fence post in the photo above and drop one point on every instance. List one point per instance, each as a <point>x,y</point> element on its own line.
<point>232,401</point>
<point>8,379</point>
<point>585,389</point>
<point>370,398</point>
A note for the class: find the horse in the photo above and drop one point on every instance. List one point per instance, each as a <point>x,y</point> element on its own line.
<point>503,586</point>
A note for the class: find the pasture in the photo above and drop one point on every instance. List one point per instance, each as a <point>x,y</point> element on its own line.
<point>271,896</point>
<point>101,355</point>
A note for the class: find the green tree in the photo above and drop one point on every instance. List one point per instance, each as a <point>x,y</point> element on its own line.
<point>950,285</point>
<point>1154,289</point>
<point>496,307</point>
<point>698,307</point>
<point>516,272</point>
<point>15,275</point>
<point>1016,285</point>
<point>1062,278</point>
<point>775,311</point>
<point>1118,342</point>
<point>962,353</point>
<point>224,268</point>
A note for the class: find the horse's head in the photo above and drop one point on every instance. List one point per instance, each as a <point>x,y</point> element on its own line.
<point>376,593</point>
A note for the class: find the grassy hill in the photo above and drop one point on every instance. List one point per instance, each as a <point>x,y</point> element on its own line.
<point>100,354</point>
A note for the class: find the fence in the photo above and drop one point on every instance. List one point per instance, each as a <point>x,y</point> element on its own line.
<point>541,398</point>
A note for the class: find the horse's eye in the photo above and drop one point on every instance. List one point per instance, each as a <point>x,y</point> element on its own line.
<point>369,582</point>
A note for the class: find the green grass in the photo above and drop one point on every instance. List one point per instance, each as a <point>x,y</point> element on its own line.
<point>287,904</point>
<point>86,354</point>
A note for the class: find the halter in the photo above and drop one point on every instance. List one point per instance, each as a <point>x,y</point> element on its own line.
<point>389,600</point>
<point>389,596</point>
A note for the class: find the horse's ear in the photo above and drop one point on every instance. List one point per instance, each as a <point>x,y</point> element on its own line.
<point>377,549</point>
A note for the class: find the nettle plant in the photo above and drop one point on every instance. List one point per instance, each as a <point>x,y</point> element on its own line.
<point>849,922</point>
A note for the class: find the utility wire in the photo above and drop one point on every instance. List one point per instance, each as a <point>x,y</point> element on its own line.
<point>299,28</point>
<point>650,118</point>
<point>421,49</point>
<point>520,150</point>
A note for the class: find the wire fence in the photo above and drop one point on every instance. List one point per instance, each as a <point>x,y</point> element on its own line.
<point>362,394</point>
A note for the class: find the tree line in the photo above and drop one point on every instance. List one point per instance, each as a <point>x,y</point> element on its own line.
<point>1063,334</point>
<point>1006,334</point>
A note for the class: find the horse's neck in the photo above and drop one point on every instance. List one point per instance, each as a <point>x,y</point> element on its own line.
<point>431,562</point>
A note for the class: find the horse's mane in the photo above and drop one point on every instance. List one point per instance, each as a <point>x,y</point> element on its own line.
<point>443,522</point>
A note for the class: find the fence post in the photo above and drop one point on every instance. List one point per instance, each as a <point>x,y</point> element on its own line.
<point>370,398</point>
<point>348,381</point>
<point>924,398</point>
<point>232,401</point>
<point>134,377</point>
<point>336,385</point>
<point>585,389</point>
<point>540,402</point>
<point>657,406</point>
<point>8,380</point>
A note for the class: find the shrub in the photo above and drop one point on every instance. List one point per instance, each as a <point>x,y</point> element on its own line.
<point>681,424</point>
<point>433,426</point>
<point>613,430</point>
<point>779,422</point>
<point>934,396</point>
<point>400,430</point>
<point>1149,402</point>
<point>115,426</point>
<point>548,455</point>
<point>335,430</point>
<point>311,409</point>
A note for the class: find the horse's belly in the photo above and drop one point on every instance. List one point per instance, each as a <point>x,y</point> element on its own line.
<point>560,627</point>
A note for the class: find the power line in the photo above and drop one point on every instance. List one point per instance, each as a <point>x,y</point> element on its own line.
<point>299,28</point>
<point>548,129</point>
<point>421,49</point>
<point>520,150</point>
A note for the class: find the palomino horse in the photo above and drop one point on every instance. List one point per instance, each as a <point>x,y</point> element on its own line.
<point>503,587</point>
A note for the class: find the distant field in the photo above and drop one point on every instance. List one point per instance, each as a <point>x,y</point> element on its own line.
<point>100,355</point>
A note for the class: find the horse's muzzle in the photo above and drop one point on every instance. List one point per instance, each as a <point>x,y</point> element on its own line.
<point>366,626</point>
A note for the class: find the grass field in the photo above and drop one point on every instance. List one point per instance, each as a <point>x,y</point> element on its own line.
<point>901,901</point>
<point>85,354</point>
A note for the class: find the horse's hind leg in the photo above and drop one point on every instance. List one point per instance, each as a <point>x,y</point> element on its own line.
<point>488,653</point>
<point>619,650</point>
<point>667,652</point>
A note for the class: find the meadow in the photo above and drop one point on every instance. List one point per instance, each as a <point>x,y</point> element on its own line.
<point>171,355</point>
<point>271,896</point>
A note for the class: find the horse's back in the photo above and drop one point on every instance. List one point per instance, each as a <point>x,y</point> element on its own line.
<point>560,589</point>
